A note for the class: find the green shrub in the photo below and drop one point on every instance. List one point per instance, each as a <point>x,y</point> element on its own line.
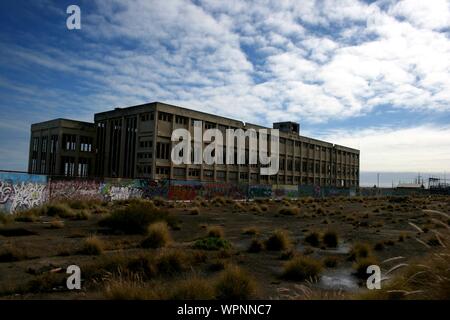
<point>278,240</point>
<point>212,243</point>
<point>158,236</point>
<point>135,218</point>
<point>235,284</point>
<point>302,268</point>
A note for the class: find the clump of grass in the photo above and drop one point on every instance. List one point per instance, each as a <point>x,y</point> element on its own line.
<point>11,253</point>
<point>256,246</point>
<point>136,217</point>
<point>56,224</point>
<point>330,239</point>
<point>289,211</point>
<point>320,210</point>
<point>194,211</point>
<point>235,284</point>
<point>212,243</point>
<point>29,215</point>
<point>92,246</point>
<point>158,236</point>
<point>194,288</point>
<point>215,232</point>
<point>379,246</point>
<point>359,250</point>
<point>251,231</point>
<point>361,265</point>
<point>255,208</point>
<point>302,268</point>
<point>277,241</point>
<point>313,239</point>
<point>61,210</point>
<point>82,215</point>
<point>264,207</point>
<point>172,262</point>
<point>218,201</point>
<point>331,262</point>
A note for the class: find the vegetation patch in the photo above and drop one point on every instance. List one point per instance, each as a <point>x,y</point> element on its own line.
<point>278,240</point>
<point>302,268</point>
<point>212,243</point>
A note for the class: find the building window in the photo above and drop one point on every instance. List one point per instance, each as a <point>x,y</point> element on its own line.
<point>243,175</point>
<point>85,144</point>
<point>145,143</point>
<point>179,172</point>
<point>163,150</point>
<point>209,125</point>
<point>83,167</point>
<point>208,174</point>
<point>144,155</point>
<point>162,170</point>
<point>163,116</point>
<point>194,172</point>
<point>69,142</point>
<point>147,116</point>
<point>220,175</point>
<point>68,165</point>
<point>181,120</point>
<point>232,176</point>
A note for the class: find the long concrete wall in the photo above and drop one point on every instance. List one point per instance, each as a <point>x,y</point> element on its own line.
<point>21,191</point>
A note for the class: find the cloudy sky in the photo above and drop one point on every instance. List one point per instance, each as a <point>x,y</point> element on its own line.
<point>374,75</point>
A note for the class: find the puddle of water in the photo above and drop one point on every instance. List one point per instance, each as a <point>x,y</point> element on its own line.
<point>339,279</point>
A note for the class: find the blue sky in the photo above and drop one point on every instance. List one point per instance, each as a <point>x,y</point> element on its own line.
<point>374,75</point>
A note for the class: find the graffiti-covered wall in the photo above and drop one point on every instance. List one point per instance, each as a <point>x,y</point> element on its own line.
<point>20,191</point>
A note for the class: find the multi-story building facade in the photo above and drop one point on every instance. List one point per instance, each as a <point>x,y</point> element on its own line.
<point>135,142</point>
<point>62,147</point>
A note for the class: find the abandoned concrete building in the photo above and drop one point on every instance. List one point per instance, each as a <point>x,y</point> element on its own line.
<point>135,142</point>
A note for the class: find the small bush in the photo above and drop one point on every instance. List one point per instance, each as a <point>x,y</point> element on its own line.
<point>215,232</point>
<point>11,254</point>
<point>194,288</point>
<point>218,201</point>
<point>29,215</point>
<point>278,240</point>
<point>379,246</point>
<point>172,262</point>
<point>92,246</point>
<point>56,224</point>
<point>256,246</point>
<point>61,210</point>
<point>359,250</point>
<point>250,231</point>
<point>361,265</point>
<point>212,243</point>
<point>235,284</point>
<point>330,239</point>
<point>158,236</point>
<point>194,211</point>
<point>313,239</point>
<point>330,262</point>
<point>82,215</point>
<point>289,211</point>
<point>302,268</point>
<point>135,218</point>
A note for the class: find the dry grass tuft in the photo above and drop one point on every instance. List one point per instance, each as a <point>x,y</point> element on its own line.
<point>235,284</point>
<point>278,240</point>
<point>158,236</point>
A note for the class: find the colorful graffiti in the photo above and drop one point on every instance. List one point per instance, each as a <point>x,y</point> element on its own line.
<point>20,191</point>
<point>260,191</point>
<point>189,190</point>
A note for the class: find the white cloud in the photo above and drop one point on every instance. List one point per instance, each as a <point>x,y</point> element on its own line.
<point>416,149</point>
